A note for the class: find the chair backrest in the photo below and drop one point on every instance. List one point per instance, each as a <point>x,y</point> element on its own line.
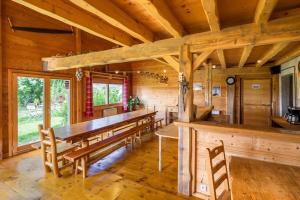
<point>217,166</point>
<point>47,137</point>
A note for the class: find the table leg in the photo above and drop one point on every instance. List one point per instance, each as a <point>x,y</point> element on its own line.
<point>160,153</point>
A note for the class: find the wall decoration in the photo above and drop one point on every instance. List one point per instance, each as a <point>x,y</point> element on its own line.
<point>197,86</point>
<point>216,91</point>
<point>255,86</point>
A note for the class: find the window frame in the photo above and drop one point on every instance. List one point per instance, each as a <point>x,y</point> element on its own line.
<point>107,82</point>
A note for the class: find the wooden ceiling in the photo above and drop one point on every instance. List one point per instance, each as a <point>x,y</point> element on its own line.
<point>129,22</point>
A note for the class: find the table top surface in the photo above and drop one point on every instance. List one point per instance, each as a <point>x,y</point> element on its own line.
<point>170,131</point>
<point>85,128</point>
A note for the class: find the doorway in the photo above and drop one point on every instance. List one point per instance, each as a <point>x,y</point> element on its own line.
<point>287,92</point>
<point>256,102</point>
<point>36,99</point>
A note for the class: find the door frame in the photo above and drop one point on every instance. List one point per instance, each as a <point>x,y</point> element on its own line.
<point>14,149</point>
<point>288,71</point>
<point>242,95</point>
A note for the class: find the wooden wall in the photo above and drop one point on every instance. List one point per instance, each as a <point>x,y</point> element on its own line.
<point>24,50</point>
<point>160,95</point>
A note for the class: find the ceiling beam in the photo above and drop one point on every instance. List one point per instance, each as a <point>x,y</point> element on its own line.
<point>211,11</point>
<point>161,12</point>
<point>282,30</point>
<point>71,15</point>
<point>288,56</point>
<point>271,53</point>
<point>264,10</point>
<point>245,55</point>
<point>115,16</point>
<point>173,62</point>
<point>201,58</point>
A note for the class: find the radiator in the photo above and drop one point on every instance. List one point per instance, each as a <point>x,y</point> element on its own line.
<point>110,111</point>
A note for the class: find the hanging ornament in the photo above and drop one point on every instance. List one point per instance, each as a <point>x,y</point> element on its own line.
<point>79,74</point>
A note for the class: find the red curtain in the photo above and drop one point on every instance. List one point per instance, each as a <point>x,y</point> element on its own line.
<point>125,94</point>
<point>89,97</point>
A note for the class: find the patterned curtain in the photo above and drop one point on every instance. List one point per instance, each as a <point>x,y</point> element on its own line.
<point>125,94</point>
<point>89,97</point>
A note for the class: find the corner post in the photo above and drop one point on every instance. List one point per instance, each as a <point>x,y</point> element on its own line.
<point>185,114</point>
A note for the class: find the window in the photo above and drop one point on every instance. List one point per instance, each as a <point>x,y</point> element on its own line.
<point>115,93</point>
<point>106,94</point>
<point>99,94</point>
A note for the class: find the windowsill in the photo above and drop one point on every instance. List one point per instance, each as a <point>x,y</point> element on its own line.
<point>108,106</point>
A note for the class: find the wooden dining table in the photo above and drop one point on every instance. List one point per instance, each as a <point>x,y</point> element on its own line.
<point>84,130</point>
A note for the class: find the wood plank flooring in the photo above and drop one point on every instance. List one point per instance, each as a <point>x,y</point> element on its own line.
<point>134,175</point>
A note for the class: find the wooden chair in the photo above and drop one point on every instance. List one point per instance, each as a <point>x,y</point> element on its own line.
<point>217,167</point>
<point>53,151</point>
<point>158,123</point>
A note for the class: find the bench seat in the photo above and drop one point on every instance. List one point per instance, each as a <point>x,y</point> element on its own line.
<point>83,153</point>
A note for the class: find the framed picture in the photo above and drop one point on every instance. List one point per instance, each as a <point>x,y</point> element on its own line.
<point>197,86</point>
<point>216,91</point>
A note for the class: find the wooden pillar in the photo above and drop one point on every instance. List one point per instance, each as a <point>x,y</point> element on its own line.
<point>185,114</point>
<point>1,64</point>
<point>79,84</point>
<point>208,81</point>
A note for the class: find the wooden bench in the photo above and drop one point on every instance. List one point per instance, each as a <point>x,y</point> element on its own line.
<point>158,123</point>
<point>83,153</point>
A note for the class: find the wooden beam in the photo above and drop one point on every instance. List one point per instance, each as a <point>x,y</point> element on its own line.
<point>173,62</point>
<point>281,30</point>
<point>208,84</point>
<point>211,11</point>
<point>288,56</point>
<point>264,10</point>
<point>221,57</point>
<point>161,12</point>
<point>1,82</point>
<point>185,114</point>
<point>262,14</point>
<point>245,55</point>
<point>74,16</point>
<point>115,16</point>
<point>271,53</point>
<point>201,58</point>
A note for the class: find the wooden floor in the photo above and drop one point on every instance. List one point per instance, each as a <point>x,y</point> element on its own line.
<point>134,175</point>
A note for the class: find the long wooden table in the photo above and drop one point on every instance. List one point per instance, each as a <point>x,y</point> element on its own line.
<point>82,131</point>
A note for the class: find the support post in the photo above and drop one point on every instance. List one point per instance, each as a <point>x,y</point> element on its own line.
<point>230,103</point>
<point>79,85</point>
<point>208,81</point>
<point>1,64</point>
<point>185,114</point>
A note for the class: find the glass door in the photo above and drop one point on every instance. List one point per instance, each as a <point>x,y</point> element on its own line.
<point>60,102</point>
<point>30,109</point>
<point>36,99</point>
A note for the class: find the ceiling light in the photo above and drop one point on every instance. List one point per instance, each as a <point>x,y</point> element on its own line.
<point>116,72</point>
<point>138,72</point>
<point>259,61</point>
<point>165,71</point>
<point>214,66</point>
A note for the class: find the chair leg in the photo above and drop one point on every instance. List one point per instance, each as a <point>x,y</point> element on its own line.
<point>55,165</point>
<point>44,157</point>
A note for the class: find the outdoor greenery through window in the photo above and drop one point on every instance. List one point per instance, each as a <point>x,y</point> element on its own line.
<point>106,94</point>
<point>31,103</point>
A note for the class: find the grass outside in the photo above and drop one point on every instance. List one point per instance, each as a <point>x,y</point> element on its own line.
<point>28,125</point>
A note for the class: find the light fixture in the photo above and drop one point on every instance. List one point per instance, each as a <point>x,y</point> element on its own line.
<point>116,72</point>
<point>165,71</point>
<point>259,61</point>
<point>214,66</point>
<point>138,72</point>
